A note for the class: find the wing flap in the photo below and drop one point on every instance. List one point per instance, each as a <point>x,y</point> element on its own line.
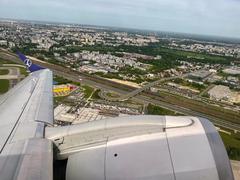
<point>37,161</point>
<point>27,160</point>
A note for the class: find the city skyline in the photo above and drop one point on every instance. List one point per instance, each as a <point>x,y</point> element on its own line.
<point>218,18</point>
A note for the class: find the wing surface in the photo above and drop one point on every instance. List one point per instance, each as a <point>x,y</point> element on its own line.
<point>24,112</point>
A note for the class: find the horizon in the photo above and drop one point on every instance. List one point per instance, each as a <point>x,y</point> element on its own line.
<point>211,18</point>
<point>188,35</point>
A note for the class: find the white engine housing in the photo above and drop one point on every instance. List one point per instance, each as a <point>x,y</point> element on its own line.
<point>143,148</point>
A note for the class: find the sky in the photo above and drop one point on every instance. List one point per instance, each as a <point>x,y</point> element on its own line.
<point>207,17</point>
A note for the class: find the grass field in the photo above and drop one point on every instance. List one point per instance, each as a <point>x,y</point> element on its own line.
<point>95,94</point>
<point>232,144</point>
<point>156,110</point>
<point>195,56</point>
<point>4,85</point>
<point>61,80</point>
<point>23,71</point>
<point>2,61</point>
<point>4,71</point>
<point>87,91</point>
<point>58,100</point>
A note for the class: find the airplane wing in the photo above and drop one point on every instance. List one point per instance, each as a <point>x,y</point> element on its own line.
<point>24,113</point>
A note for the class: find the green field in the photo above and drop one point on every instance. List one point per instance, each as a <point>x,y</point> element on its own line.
<point>232,144</point>
<point>87,91</point>
<point>23,71</point>
<point>58,100</point>
<point>4,86</point>
<point>61,80</point>
<point>3,61</point>
<point>95,94</point>
<point>4,71</point>
<point>156,110</point>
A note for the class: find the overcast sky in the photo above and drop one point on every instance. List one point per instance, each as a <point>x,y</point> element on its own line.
<point>211,17</point>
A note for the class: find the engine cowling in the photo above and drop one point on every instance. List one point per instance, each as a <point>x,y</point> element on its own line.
<point>146,147</point>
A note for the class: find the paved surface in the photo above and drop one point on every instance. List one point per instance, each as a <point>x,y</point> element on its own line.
<point>13,76</point>
<point>14,73</point>
<point>236,169</point>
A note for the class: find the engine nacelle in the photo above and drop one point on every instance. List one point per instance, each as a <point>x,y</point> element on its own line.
<point>146,148</point>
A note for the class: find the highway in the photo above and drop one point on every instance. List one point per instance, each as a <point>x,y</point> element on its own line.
<point>145,97</point>
<point>139,90</point>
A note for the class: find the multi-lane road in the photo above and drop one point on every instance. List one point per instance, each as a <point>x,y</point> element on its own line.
<point>107,85</point>
<point>139,90</point>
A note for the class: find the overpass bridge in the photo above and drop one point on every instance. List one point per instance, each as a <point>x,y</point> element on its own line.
<point>139,90</point>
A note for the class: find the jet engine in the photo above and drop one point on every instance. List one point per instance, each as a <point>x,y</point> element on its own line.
<point>142,148</point>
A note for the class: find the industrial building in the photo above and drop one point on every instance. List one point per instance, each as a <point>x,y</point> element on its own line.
<point>232,71</point>
<point>200,75</point>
